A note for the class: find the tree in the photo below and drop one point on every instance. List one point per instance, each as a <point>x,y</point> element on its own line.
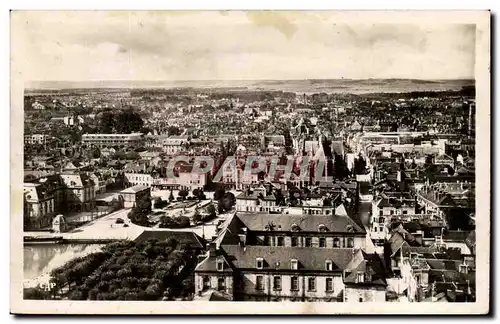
<point>139,214</point>
<point>360,165</point>
<point>198,193</point>
<point>128,121</point>
<point>166,222</point>
<point>36,293</point>
<point>228,201</point>
<point>183,193</point>
<point>106,123</point>
<point>340,167</point>
<point>211,211</point>
<point>197,217</point>
<point>132,155</point>
<point>160,203</point>
<point>219,193</point>
<point>173,130</point>
<point>126,270</point>
<point>280,199</point>
<point>183,221</point>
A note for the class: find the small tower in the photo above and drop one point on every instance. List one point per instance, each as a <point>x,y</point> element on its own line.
<point>59,224</point>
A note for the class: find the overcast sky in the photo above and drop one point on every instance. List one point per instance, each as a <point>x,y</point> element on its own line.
<point>83,46</point>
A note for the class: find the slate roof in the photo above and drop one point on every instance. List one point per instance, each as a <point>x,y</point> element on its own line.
<point>77,180</point>
<point>306,223</point>
<point>35,192</point>
<point>369,264</point>
<point>209,264</point>
<point>188,238</point>
<point>134,189</point>
<point>308,258</point>
<point>440,264</point>
<point>459,236</point>
<point>471,241</point>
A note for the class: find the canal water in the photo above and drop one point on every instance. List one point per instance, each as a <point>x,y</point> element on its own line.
<point>40,259</point>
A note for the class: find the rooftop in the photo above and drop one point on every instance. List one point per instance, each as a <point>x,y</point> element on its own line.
<point>135,189</point>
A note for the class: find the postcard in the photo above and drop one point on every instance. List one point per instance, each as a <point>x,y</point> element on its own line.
<point>250,162</point>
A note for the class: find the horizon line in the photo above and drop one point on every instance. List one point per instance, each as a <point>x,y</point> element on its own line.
<point>304,79</point>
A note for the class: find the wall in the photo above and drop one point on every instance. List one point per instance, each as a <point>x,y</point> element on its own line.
<point>367,294</point>
<point>302,294</point>
<point>214,281</point>
<point>359,242</point>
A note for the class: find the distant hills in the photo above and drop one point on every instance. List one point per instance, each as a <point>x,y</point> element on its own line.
<point>355,86</point>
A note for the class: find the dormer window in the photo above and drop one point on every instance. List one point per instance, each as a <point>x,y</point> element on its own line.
<point>322,228</point>
<point>295,227</point>
<point>328,265</point>
<point>259,263</point>
<point>294,264</point>
<point>361,277</point>
<point>220,265</point>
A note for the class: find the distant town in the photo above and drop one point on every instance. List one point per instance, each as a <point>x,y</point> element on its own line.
<point>238,194</point>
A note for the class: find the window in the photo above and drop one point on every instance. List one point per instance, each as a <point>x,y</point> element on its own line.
<point>380,213</point>
<point>360,299</point>
<point>350,242</point>
<point>221,284</point>
<point>336,242</point>
<point>281,241</point>
<point>260,263</point>
<point>267,239</point>
<point>361,277</point>
<point>206,282</point>
<point>329,284</point>
<point>277,283</point>
<point>381,229</point>
<point>311,284</point>
<point>322,242</point>
<point>375,229</point>
<point>381,220</point>
<point>259,285</point>
<point>294,283</point>
<point>405,212</point>
<point>294,264</point>
<point>220,265</point>
<point>392,212</point>
<point>328,265</point>
<point>294,241</point>
<point>308,242</point>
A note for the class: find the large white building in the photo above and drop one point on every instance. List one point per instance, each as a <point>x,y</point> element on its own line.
<point>35,139</point>
<point>104,140</point>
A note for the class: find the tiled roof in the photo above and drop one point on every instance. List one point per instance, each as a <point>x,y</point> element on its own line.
<point>440,264</point>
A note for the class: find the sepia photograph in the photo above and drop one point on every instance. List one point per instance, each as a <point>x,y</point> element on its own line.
<point>243,162</point>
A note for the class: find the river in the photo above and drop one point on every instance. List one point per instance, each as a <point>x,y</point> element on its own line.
<point>40,259</point>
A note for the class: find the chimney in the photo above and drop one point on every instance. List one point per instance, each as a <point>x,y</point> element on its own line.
<point>419,235</point>
<point>212,249</point>
<point>242,240</point>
